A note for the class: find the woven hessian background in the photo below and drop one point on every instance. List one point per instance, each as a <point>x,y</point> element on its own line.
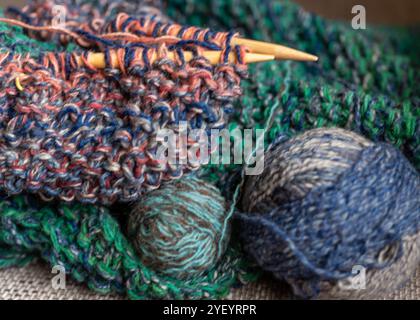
<point>34,282</point>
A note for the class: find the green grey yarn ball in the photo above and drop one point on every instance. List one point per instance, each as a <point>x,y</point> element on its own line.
<point>181,229</point>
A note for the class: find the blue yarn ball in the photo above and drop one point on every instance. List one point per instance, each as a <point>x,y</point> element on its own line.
<point>181,229</point>
<point>330,200</point>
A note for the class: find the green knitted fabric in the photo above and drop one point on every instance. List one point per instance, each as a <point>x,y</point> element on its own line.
<point>366,81</point>
<point>89,243</point>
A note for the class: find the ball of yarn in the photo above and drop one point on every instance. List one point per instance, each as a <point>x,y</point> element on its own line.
<point>182,229</point>
<point>328,201</point>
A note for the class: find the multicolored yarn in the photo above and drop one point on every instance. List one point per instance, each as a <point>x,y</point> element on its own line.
<point>89,243</point>
<point>329,200</point>
<point>146,26</point>
<point>87,240</point>
<point>182,229</point>
<point>366,81</point>
<point>79,133</point>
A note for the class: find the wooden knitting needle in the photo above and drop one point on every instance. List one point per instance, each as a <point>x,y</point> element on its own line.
<point>98,59</point>
<point>258,48</point>
<point>280,52</point>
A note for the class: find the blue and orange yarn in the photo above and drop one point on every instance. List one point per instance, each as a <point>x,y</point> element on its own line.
<point>84,138</point>
<point>79,133</point>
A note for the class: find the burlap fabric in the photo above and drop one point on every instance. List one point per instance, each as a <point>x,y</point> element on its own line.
<point>34,282</point>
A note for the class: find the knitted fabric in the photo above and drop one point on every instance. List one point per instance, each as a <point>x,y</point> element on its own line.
<point>51,107</point>
<point>329,200</point>
<point>365,81</point>
<point>89,243</point>
<point>79,133</point>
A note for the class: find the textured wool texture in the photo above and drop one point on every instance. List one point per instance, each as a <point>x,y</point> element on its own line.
<point>83,16</point>
<point>80,133</point>
<point>329,200</point>
<point>89,135</point>
<point>365,81</point>
<point>182,229</point>
<point>380,283</point>
<point>88,242</point>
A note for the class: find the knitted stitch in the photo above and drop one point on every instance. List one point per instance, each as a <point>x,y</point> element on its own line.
<point>87,240</point>
<point>146,25</point>
<point>327,201</point>
<point>79,133</point>
<point>89,243</point>
<point>365,80</point>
